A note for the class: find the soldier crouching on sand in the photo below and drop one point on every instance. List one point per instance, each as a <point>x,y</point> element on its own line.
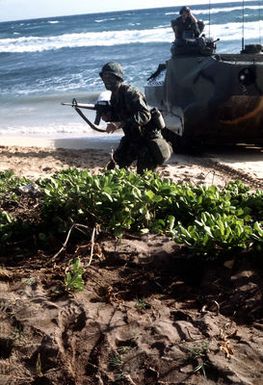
<point>142,140</point>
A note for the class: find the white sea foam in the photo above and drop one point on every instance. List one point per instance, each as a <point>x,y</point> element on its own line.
<point>75,127</point>
<point>88,39</point>
<point>233,31</point>
<point>105,20</point>
<point>230,31</point>
<point>217,10</point>
<point>49,129</point>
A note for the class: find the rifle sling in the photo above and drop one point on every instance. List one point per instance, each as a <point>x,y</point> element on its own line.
<point>92,125</point>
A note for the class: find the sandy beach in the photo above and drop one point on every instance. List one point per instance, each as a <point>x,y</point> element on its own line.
<point>40,156</point>
<point>146,312</point>
<point>35,156</point>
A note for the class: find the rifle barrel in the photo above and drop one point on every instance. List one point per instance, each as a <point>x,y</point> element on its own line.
<point>80,105</point>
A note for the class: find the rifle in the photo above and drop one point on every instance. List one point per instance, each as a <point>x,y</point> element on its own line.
<point>100,107</point>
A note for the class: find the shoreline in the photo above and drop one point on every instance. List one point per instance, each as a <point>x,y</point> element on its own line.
<point>74,142</point>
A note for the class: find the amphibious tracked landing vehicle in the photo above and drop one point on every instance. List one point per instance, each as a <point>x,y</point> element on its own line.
<point>209,98</point>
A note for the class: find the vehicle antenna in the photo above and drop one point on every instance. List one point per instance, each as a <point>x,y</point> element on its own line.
<point>243,25</point>
<point>209,17</point>
<point>259,21</point>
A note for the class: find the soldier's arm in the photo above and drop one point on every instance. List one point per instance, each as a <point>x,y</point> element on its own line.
<point>112,125</point>
<point>192,17</point>
<point>175,28</point>
<point>194,21</point>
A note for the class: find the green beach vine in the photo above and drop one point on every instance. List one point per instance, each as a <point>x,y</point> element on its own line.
<point>203,218</point>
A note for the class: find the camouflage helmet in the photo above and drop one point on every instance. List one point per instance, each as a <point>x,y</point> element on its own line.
<point>113,68</point>
<point>184,9</point>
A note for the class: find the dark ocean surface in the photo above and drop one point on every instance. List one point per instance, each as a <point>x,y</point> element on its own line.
<point>46,61</point>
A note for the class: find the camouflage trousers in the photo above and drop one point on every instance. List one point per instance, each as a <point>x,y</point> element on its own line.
<point>148,153</point>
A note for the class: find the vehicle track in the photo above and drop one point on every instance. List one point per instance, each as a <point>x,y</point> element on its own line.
<point>232,172</point>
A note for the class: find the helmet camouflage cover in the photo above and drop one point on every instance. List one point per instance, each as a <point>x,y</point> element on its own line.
<point>184,9</point>
<point>113,68</point>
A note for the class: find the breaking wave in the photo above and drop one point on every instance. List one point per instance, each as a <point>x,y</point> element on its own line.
<point>87,39</point>
<point>222,9</point>
<point>230,31</point>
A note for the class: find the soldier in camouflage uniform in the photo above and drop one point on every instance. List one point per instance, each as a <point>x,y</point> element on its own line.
<point>186,26</point>
<point>142,140</point>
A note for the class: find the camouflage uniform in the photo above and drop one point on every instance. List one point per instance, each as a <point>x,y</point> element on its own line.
<point>187,29</point>
<point>142,141</point>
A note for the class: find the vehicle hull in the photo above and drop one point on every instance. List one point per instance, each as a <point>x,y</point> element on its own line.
<point>211,99</point>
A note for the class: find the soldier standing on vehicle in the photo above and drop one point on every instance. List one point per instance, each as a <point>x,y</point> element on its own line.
<point>186,26</point>
<point>142,140</point>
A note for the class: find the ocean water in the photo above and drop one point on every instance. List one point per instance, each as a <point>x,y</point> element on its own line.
<point>46,61</point>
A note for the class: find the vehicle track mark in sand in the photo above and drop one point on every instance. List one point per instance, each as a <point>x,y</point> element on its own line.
<point>230,171</point>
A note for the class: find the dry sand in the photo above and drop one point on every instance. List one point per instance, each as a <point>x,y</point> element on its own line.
<point>34,156</point>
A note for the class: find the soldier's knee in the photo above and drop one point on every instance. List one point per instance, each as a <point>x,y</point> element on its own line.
<point>161,150</point>
<point>110,165</point>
